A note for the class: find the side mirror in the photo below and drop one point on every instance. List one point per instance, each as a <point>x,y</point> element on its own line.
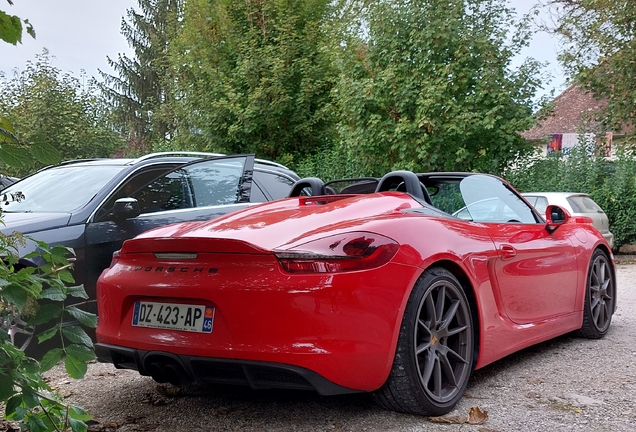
<point>126,208</point>
<point>555,217</point>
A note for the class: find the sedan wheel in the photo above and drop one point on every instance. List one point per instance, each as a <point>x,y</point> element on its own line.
<point>19,332</point>
<point>434,356</point>
<point>600,297</point>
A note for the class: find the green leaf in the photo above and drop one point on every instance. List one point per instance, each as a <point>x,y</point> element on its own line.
<point>77,291</point>
<point>45,314</point>
<point>7,133</point>
<point>66,276</point>
<point>50,359</point>
<point>30,399</point>
<point>6,387</point>
<point>77,335</point>
<point>7,137</point>
<point>47,334</point>
<point>10,28</point>
<point>13,156</point>
<point>30,367</point>
<point>12,406</point>
<point>6,125</point>
<point>75,368</point>
<point>54,293</point>
<point>78,413</point>
<point>15,295</point>
<point>29,28</point>
<point>86,318</point>
<point>80,352</point>
<point>36,424</point>
<point>62,252</point>
<point>20,413</point>
<point>45,153</point>
<point>77,425</point>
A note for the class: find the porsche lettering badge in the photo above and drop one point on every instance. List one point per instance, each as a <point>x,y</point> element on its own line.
<point>177,269</point>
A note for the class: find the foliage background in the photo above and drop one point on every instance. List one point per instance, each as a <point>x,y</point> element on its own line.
<point>610,183</point>
<point>54,110</point>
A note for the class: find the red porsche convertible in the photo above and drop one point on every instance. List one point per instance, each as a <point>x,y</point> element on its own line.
<point>400,286</point>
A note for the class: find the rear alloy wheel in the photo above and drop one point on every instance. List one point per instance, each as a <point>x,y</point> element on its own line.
<point>20,333</point>
<point>435,349</point>
<point>600,297</point>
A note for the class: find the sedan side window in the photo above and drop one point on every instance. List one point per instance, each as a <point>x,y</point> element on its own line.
<point>215,182</point>
<point>209,182</point>
<point>152,193</point>
<point>276,185</point>
<point>169,192</point>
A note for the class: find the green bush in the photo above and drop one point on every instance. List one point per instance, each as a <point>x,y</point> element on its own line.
<point>38,296</point>
<point>330,164</point>
<point>611,183</point>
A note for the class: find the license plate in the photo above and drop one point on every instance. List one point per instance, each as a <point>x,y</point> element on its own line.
<point>193,318</point>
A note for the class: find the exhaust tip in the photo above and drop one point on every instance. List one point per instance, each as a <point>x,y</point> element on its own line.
<point>175,375</point>
<point>157,372</point>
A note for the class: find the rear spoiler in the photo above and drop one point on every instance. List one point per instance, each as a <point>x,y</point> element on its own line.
<point>190,244</point>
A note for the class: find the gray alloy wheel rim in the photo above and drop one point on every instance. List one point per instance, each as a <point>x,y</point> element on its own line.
<point>18,330</point>
<point>443,341</point>
<point>601,293</point>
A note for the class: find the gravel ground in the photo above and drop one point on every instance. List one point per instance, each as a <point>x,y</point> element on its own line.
<point>565,384</point>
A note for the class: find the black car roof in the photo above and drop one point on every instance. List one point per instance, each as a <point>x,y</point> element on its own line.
<point>178,157</point>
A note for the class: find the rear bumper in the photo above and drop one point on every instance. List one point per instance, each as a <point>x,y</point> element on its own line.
<point>342,327</point>
<point>184,369</point>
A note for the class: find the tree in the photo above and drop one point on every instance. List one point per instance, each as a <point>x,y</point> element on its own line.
<point>430,86</point>
<point>11,147</point>
<point>599,48</point>
<point>56,114</point>
<point>256,76</point>
<point>141,91</point>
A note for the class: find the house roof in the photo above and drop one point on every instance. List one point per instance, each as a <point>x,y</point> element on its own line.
<point>571,109</point>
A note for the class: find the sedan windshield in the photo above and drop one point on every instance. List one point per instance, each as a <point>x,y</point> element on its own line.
<point>61,189</point>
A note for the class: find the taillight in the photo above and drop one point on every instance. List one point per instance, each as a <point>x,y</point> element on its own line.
<point>582,220</point>
<point>114,259</point>
<point>339,253</point>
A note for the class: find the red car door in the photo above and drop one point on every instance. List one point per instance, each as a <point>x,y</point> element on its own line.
<point>536,272</point>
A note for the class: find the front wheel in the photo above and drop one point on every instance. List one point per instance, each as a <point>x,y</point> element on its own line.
<point>600,297</point>
<point>435,349</point>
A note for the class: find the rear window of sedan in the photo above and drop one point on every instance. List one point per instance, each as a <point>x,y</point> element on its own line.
<point>583,204</point>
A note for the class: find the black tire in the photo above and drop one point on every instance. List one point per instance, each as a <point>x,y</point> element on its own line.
<point>435,348</point>
<point>600,297</point>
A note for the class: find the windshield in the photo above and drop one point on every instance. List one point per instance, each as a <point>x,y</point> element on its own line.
<point>488,199</point>
<point>61,189</point>
<point>481,198</point>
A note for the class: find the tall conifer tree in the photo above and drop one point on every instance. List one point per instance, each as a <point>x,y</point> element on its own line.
<point>140,91</point>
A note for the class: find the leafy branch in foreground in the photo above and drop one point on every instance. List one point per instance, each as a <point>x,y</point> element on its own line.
<point>36,297</point>
<point>11,27</point>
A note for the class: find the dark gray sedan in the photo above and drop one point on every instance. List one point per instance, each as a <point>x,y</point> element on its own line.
<point>92,206</point>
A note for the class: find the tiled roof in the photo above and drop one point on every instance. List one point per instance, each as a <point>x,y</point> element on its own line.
<point>572,108</point>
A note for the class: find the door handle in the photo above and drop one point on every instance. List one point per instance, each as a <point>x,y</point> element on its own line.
<point>507,252</point>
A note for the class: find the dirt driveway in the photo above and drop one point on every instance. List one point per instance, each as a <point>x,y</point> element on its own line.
<point>562,385</point>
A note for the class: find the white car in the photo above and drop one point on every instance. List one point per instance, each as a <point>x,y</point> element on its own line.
<point>577,204</point>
